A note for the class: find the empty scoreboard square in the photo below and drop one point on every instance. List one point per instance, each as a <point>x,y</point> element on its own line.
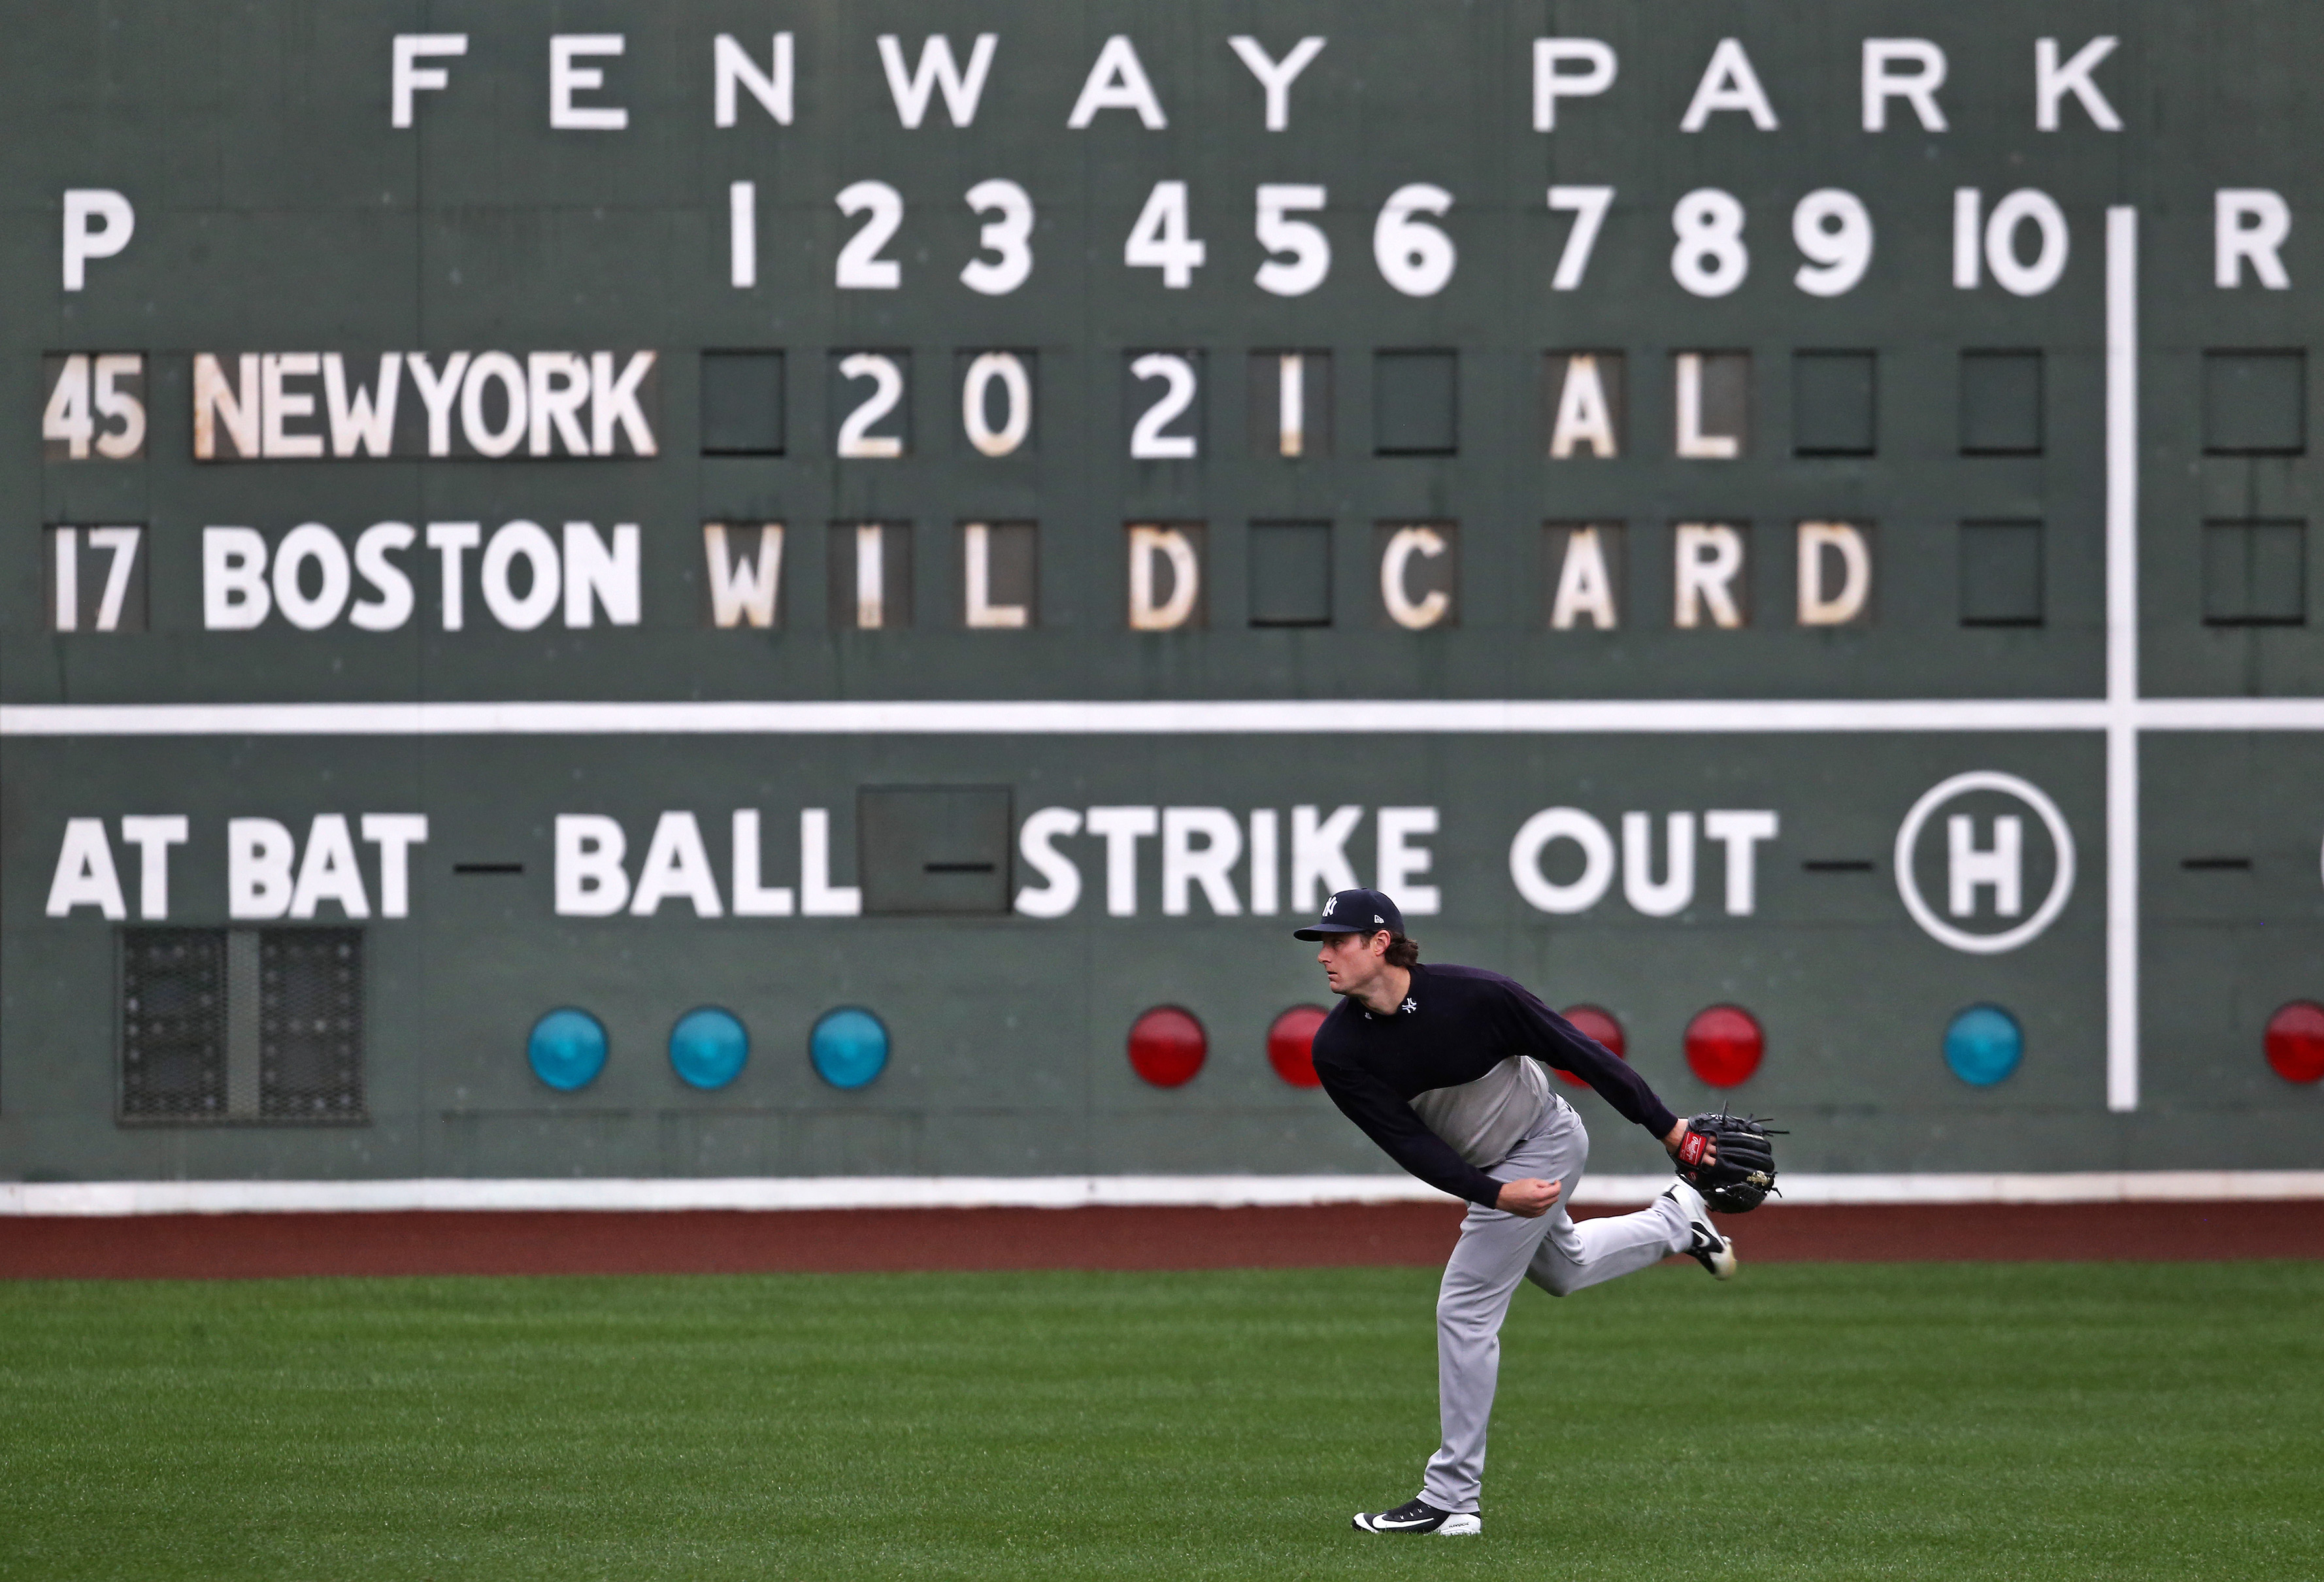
<point>742,403</point>
<point>1290,574</point>
<point>2254,403</point>
<point>2001,573</point>
<point>2001,403</point>
<point>1415,403</point>
<point>1835,403</point>
<point>2255,573</point>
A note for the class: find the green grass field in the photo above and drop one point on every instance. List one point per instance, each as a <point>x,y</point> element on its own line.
<point>1982,1421</point>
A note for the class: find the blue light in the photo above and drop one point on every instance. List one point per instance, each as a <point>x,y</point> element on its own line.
<point>709,1047</point>
<point>850,1047</point>
<point>567,1049</point>
<point>1983,1044</point>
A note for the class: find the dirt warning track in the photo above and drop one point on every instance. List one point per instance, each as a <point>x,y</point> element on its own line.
<point>574,1242</point>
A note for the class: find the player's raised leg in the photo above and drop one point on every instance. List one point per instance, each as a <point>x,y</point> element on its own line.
<point>1578,1254</point>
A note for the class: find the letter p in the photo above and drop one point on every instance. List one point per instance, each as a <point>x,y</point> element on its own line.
<point>98,224</point>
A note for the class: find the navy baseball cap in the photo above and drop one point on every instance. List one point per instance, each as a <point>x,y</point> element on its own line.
<point>1354,912</point>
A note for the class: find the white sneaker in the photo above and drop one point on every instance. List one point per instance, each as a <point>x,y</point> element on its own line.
<point>1713,1251</point>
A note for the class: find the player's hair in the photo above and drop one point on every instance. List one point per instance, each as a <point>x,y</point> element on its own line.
<point>1401,952</point>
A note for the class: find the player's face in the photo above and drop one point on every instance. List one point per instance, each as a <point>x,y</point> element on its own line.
<point>1352,962</point>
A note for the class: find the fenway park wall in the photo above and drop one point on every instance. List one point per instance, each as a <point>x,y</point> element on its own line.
<point>718,589</point>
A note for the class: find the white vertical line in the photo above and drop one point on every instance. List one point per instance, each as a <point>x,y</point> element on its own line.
<point>870,580</point>
<point>67,610</point>
<point>976,550</point>
<point>1266,871</point>
<point>1291,404</point>
<point>2122,657</point>
<point>743,234</point>
<point>1967,234</point>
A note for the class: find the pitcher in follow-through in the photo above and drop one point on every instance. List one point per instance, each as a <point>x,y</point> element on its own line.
<point>1440,1065</point>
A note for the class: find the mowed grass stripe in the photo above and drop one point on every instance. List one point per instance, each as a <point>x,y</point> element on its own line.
<point>1908,1421</point>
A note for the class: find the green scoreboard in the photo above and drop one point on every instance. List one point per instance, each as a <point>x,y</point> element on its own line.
<point>725,589</point>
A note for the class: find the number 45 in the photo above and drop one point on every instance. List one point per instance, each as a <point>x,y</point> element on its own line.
<point>88,389</point>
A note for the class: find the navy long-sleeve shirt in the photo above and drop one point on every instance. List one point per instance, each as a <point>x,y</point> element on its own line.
<point>1456,1025</point>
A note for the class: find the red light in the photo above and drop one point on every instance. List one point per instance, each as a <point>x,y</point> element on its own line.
<point>1291,1045</point>
<point>1167,1046</point>
<point>2295,1041</point>
<point>1723,1045</point>
<point>1598,1025</point>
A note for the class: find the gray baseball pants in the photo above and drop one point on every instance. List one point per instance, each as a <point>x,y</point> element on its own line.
<point>1496,1249</point>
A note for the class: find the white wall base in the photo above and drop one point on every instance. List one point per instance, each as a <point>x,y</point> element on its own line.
<point>114,1198</point>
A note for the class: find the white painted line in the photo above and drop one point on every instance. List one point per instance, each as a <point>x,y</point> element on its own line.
<point>2229,713</point>
<point>2168,1186</point>
<point>1323,716</point>
<point>2122,454</point>
<point>1328,717</point>
<point>652,1193</point>
<point>116,1198</point>
<point>2122,657</point>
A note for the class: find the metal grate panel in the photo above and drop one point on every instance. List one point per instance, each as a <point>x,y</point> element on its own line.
<point>173,1032</point>
<point>242,1026</point>
<point>310,1024</point>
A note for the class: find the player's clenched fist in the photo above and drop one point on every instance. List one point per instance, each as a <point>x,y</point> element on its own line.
<point>1529,1199</point>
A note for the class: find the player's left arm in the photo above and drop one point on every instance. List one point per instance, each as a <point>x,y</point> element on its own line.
<point>1559,1043</point>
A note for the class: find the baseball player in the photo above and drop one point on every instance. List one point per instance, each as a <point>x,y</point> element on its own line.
<point>1432,1062</point>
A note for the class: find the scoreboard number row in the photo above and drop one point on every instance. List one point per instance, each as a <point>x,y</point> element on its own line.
<point>566,405</point>
<point>2022,241</point>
